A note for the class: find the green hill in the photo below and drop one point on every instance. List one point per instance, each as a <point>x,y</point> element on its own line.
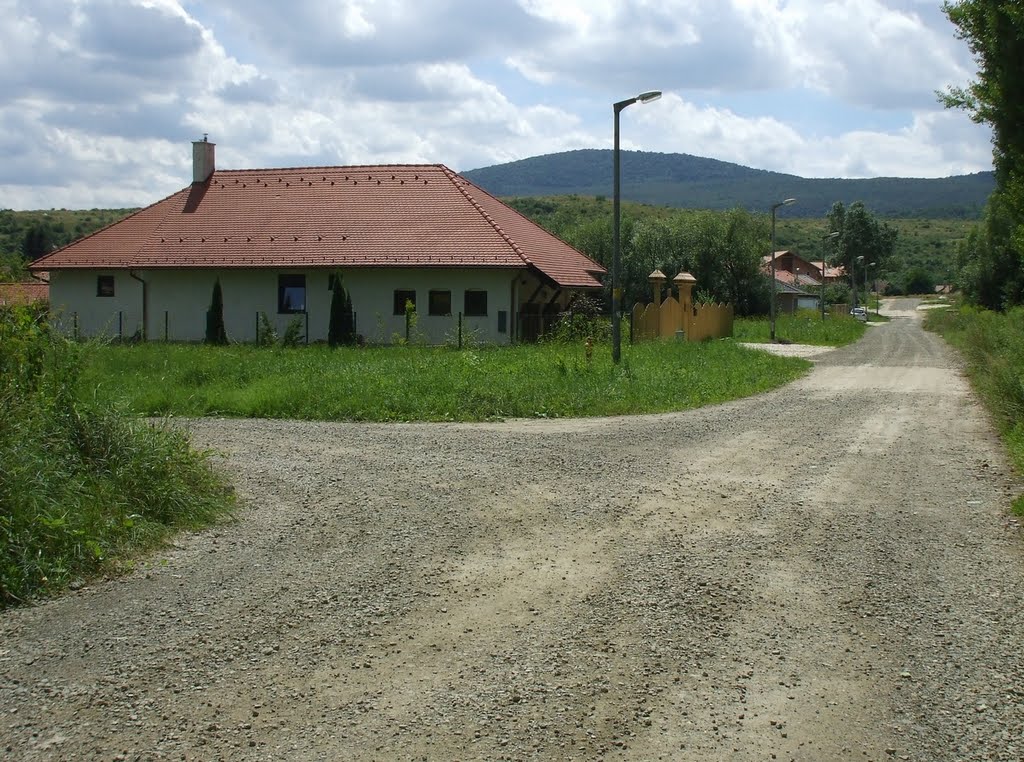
<point>692,182</point>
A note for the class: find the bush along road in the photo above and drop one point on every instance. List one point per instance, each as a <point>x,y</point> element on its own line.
<point>824,572</point>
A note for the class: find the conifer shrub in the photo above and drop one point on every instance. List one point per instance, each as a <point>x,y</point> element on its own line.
<point>215,332</point>
<point>341,328</point>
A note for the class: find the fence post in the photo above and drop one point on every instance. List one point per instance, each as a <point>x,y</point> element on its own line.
<point>257,327</point>
<point>120,325</point>
<point>307,328</point>
<point>77,336</point>
<point>165,324</point>
<point>460,330</point>
<point>407,316</point>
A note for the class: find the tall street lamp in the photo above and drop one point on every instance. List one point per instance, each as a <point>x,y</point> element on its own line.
<point>827,237</point>
<point>787,202</point>
<point>651,95</point>
<point>867,294</point>
<point>853,278</point>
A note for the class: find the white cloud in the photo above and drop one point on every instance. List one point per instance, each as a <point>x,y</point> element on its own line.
<point>936,144</point>
<point>100,98</point>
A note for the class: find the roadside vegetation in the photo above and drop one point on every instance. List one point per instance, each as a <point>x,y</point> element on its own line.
<point>804,327</point>
<point>417,383</point>
<point>992,345</point>
<point>82,489</point>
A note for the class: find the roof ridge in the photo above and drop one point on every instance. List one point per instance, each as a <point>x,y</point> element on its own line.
<point>455,177</point>
<point>338,167</point>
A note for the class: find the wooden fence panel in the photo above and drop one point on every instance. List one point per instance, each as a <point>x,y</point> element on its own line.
<point>671,318</point>
<point>698,323</point>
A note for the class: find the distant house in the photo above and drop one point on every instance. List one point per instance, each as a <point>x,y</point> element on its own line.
<point>797,281</point>
<point>832,273</point>
<point>12,294</point>
<point>275,238</point>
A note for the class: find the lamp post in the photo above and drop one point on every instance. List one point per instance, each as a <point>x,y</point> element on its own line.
<point>867,294</point>
<point>827,237</point>
<point>853,279</point>
<point>651,95</point>
<point>775,207</point>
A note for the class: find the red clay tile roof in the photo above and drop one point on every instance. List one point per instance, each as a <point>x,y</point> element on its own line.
<point>370,216</point>
<point>23,293</point>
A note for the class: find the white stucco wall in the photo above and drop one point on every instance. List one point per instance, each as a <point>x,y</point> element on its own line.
<point>178,301</point>
<point>75,305</point>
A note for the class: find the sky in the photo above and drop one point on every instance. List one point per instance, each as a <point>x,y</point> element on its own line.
<point>100,99</point>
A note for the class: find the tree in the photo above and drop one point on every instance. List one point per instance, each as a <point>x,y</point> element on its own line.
<point>989,266</point>
<point>38,240</point>
<point>863,241</point>
<point>215,333</point>
<point>994,32</point>
<point>340,329</point>
<point>742,281</point>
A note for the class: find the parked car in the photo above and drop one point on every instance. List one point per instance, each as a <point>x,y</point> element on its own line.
<point>861,313</point>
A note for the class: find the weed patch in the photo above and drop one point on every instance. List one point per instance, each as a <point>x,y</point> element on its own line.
<point>417,383</point>
<point>992,345</point>
<point>804,327</point>
<point>82,488</point>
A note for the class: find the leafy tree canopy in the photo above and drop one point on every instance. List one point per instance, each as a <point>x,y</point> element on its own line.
<point>991,263</point>
<point>863,241</point>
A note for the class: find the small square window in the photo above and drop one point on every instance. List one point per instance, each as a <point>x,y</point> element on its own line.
<point>440,303</point>
<point>291,294</point>
<point>403,296</point>
<point>105,285</point>
<point>475,304</point>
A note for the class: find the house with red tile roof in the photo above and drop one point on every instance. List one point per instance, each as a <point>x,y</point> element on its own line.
<point>21,293</point>
<point>797,281</point>
<point>275,238</point>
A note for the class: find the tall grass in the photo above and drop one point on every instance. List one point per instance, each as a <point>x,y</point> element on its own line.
<point>405,383</point>
<point>992,345</point>
<point>803,327</point>
<point>81,487</point>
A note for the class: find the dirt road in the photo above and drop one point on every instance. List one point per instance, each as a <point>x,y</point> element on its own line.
<point>825,572</point>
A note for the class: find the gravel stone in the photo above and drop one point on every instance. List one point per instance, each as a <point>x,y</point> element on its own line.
<point>824,572</point>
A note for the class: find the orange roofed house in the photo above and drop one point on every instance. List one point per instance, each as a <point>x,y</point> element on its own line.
<point>275,237</point>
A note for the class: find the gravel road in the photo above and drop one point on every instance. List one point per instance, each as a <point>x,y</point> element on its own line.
<point>824,572</point>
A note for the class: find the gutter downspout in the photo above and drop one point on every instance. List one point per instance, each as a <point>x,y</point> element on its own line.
<point>513,310</point>
<point>145,303</point>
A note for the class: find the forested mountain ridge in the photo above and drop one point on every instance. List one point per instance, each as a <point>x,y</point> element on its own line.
<point>692,182</point>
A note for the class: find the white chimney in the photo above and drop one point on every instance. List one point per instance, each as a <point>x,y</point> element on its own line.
<point>203,162</point>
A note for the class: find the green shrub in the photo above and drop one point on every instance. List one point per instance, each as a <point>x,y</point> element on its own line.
<point>583,320</point>
<point>266,336</point>
<point>293,333</point>
<point>341,328</point>
<point>215,333</point>
<point>83,487</point>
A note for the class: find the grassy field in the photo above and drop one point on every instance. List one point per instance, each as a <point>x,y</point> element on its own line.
<point>82,488</point>
<point>410,383</point>
<point>992,343</point>
<point>805,327</point>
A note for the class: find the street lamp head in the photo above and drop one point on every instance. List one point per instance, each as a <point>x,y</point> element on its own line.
<point>787,202</point>
<point>833,234</point>
<point>650,95</point>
